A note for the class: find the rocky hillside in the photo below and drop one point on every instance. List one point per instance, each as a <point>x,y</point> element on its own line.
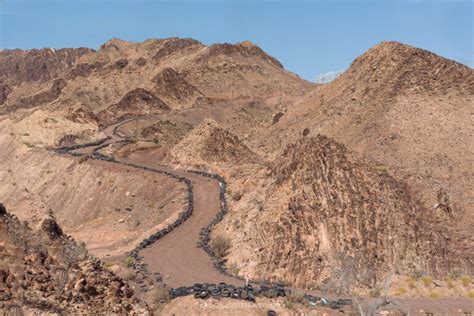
<point>210,143</point>
<point>180,73</point>
<point>328,217</point>
<point>44,271</point>
<point>403,107</point>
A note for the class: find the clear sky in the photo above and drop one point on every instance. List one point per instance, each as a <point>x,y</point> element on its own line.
<point>308,37</point>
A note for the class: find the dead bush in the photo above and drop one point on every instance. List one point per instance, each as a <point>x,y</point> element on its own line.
<point>220,245</point>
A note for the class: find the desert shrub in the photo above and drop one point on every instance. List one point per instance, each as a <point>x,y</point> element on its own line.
<point>427,280</point>
<point>108,265</point>
<point>465,279</point>
<point>128,261</point>
<point>220,245</point>
<point>400,290</point>
<point>73,252</point>
<point>449,282</point>
<point>133,140</point>
<point>382,169</point>
<point>435,294</point>
<point>83,159</point>
<point>470,294</point>
<point>374,293</point>
<point>411,283</point>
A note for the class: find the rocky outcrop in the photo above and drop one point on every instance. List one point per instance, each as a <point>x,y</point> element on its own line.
<point>331,219</point>
<point>174,45</point>
<point>209,143</point>
<point>41,98</point>
<point>244,49</point>
<point>47,272</point>
<point>37,64</point>
<point>135,103</point>
<point>171,84</point>
<point>391,68</point>
<point>4,92</point>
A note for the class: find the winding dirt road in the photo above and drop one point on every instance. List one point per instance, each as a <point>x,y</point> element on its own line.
<point>181,263</point>
<point>176,256</point>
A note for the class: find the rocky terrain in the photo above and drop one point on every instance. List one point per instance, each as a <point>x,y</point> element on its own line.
<point>326,219</point>
<point>337,187</point>
<point>44,271</point>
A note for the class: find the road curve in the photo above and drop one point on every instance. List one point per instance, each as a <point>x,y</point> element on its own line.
<point>176,256</point>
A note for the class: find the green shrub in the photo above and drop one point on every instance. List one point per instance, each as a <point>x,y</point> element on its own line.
<point>128,261</point>
<point>108,265</point>
<point>435,294</point>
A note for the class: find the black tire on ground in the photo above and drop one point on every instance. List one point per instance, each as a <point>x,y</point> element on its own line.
<point>204,294</point>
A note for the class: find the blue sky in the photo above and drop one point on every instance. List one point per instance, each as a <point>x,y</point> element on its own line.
<point>308,37</point>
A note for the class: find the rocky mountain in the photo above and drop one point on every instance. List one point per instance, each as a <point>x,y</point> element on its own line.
<point>330,185</point>
<point>326,216</point>
<point>210,143</point>
<point>44,271</point>
<point>402,107</point>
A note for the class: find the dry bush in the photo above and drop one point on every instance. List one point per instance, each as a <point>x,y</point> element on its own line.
<point>449,283</point>
<point>427,280</point>
<point>435,294</point>
<point>411,283</point>
<point>465,279</point>
<point>220,245</point>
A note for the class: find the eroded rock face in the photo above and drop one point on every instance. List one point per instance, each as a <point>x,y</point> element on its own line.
<point>331,218</point>
<point>37,64</point>
<point>136,102</point>
<point>245,49</point>
<point>173,46</point>
<point>4,92</point>
<point>55,275</point>
<point>171,84</point>
<point>209,142</point>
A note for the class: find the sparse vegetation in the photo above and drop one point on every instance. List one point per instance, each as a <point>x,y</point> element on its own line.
<point>435,294</point>
<point>400,290</point>
<point>382,169</point>
<point>83,159</point>
<point>108,265</point>
<point>465,280</point>
<point>220,245</point>
<point>411,283</point>
<point>128,261</point>
<point>470,294</point>
<point>449,282</point>
<point>427,280</point>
